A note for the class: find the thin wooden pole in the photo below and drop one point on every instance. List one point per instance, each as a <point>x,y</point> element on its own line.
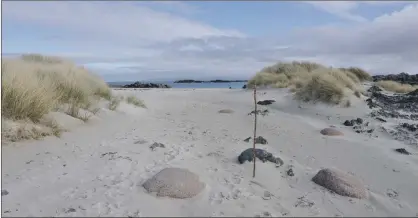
<point>255,126</point>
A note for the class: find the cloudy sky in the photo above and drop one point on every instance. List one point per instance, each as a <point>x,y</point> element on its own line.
<point>169,40</point>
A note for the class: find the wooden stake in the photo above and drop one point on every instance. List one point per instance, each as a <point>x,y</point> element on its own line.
<point>255,126</point>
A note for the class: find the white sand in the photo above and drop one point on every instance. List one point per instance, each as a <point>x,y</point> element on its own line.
<point>50,176</point>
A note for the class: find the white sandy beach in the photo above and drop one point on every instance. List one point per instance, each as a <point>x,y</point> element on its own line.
<point>98,168</point>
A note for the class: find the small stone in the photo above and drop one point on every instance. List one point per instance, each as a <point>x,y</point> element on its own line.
<point>156,145</point>
<point>402,151</point>
<point>261,140</point>
<point>266,102</point>
<point>226,111</point>
<point>247,139</point>
<point>267,195</point>
<point>290,172</point>
<point>4,192</point>
<point>70,210</point>
<point>331,132</point>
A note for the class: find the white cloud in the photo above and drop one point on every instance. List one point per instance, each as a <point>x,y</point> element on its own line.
<point>126,40</point>
<point>125,21</point>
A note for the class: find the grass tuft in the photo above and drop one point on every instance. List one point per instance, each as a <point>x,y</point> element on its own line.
<point>135,101</point>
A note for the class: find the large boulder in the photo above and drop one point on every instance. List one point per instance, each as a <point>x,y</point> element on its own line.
<point>174,183</point>
<point>340,183</point>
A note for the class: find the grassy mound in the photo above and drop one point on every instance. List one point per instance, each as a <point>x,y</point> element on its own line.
<point>35,85</point>
<point>311,81</point>
<point>396,87</point>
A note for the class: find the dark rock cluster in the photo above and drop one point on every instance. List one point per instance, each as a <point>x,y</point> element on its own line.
<point>359,126</point>
<point>401,78</point>
<point>146,85</point>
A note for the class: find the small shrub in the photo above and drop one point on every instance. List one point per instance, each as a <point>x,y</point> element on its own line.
<point>135,101</point>
<point>114,103</point>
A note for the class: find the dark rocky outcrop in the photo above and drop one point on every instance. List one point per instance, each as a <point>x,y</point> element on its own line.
<point>244,86</point>
<point>397,106</point>
<point>261,154</point>
<point>401,78</point>
<point>146,85</point>
<point>266,102</point>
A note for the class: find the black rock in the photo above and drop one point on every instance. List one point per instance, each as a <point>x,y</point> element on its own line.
<point>266,102</point>
<point>263,155</point>
<point>244,86</point>
<point>261,140</point>
<point>374,89</point>
<point>380,119</point>
<point>247,139</point>
<point>290,172</point>
<point>402,151</point>
<point>146,85</point>
<point>156,145</point>
<point>4,192</point>
<point>353,122</point>
<point>348,123</point>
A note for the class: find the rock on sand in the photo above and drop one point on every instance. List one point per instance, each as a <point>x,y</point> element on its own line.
<point>174,183</point>
<point>331,132</point>
<point>340,183</point>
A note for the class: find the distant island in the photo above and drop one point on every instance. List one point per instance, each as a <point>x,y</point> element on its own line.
<point>209,81</point>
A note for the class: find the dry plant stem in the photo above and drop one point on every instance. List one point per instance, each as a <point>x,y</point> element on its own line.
<point>255,126</point>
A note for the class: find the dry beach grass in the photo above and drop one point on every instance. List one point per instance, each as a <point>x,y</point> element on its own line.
<point>313,82</point>
<point>396,87</point>
<point>35,85</point>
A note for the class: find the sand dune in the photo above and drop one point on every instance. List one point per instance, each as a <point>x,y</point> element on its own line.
<point>98,169</point>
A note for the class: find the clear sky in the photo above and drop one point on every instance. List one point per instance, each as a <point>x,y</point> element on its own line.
<point>130,40</point>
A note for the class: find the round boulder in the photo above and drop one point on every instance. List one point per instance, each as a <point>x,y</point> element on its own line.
<point>174,183</point>
<point>331,132</point>
<point>340,183</point>
<point>226,111</point>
